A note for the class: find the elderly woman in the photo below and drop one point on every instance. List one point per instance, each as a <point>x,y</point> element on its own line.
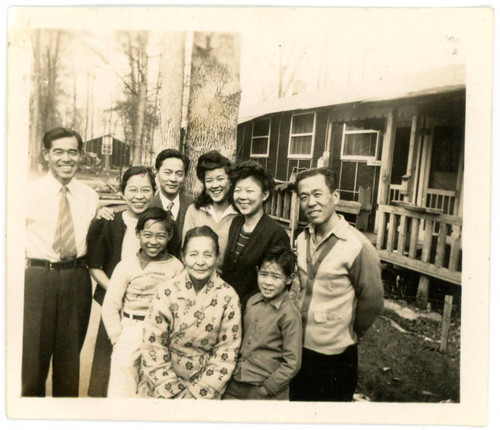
<point>252,232</point>
<point>108,242</point>
<point>192,332</point>
<point>213,207</point>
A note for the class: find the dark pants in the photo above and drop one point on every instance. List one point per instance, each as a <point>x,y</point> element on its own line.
<point>326,378</point>
<point>101,364</point>
<point>244,391</point>
<point>56,316</point>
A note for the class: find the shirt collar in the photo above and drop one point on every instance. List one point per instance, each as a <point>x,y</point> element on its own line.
<point>274,302</point>
<point>144,260</point>
<point>165,200</point>
<point>213,282</point>
<point>340,229</point>
<point>209,209</point>
<point>54,186</point>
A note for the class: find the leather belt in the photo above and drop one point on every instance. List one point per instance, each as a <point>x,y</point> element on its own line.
<point>58,265</point>
<point>134,317</point>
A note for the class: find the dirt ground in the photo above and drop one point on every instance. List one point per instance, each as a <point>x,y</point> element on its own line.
<point>399,361</point>
<point>399,357</point>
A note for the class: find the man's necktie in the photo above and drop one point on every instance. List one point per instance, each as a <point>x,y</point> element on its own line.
<point>64,240</point>
<point>169,209</point>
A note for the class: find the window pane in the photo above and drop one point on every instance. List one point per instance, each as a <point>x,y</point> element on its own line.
<point>259,146</point>
<point>261,127</point>
<point>303,124</point>
<point>363,144</point>
<point>301,145</point>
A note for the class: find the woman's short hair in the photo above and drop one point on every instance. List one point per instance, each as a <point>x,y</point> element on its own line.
<point>210,160</point>
<point>203,231</point>
<point>248,168</point>
<point>156,214</point>
<point>137,170</point>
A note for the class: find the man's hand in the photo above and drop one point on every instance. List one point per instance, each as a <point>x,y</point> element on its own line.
<point>106,213</point>
<point>262,391</point>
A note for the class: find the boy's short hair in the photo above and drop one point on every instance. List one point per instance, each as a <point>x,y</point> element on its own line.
<point>203,231</point>
<point>156,214</point>
<point>282,256</point>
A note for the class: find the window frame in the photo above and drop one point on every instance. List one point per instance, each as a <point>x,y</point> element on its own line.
<point>312,134</point>
<point>268,136</point>
<point>367,158</point>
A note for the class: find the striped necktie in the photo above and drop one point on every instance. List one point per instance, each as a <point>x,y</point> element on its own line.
<point>169,209</point>
<point>64,240</point>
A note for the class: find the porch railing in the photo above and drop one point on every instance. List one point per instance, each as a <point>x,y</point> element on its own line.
<point>395,193</point>
<point>440,199</point>
<point>408,238</point>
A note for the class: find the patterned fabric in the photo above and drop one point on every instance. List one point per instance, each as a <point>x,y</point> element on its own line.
<point>64,240</point>
<point>240,245</point>
<point>191,340</point>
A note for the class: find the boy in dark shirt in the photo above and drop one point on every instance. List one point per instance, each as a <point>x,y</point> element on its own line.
<point>270,354</point>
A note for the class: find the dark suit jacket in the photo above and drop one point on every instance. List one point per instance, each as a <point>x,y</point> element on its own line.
<point>174,245</point>
<point>242,274</point>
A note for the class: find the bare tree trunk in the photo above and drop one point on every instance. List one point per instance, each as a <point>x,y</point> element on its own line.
<point>142,74</point>
<point>172,81</point>
<point>35,137</point>
<point>214,98</point>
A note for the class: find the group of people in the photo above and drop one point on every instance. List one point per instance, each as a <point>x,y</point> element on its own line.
<point>200,299</point>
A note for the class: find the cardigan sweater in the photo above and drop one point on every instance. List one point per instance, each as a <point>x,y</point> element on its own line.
<point>242,273</point>
<point>104,248</point>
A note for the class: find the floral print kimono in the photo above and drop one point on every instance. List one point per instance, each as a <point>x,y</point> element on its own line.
<point>191,340</point>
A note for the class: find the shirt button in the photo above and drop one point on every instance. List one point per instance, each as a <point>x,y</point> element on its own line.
<point>311,276</point>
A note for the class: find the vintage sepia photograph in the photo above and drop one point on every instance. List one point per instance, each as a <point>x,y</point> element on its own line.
<point>245,205</point>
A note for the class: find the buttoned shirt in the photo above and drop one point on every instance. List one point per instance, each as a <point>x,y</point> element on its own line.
<point>132,286</point>
<point>191,340</point>
<point>347,291</point>
<point>176,204</point>
<point>43,198</point>
<point>271,350</point>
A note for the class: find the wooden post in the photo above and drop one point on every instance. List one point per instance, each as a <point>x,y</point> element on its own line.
<point>387,158</point>
<point>445,327</point>
<point>412,159</point>
<point>294,217</point>
<point>423,291</point>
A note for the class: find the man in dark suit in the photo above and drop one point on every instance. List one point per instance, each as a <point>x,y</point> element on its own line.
<point>171,167</point>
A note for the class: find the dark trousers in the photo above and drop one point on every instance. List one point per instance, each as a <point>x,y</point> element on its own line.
<point>326,378</point>
<point>237,390</point>
<point>56,316</point>
<point>99,376</point>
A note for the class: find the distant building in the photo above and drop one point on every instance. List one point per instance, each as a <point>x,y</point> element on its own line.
<point>119,152</point>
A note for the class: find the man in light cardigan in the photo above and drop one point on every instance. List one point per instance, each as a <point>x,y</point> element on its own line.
<point>341,292</point>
